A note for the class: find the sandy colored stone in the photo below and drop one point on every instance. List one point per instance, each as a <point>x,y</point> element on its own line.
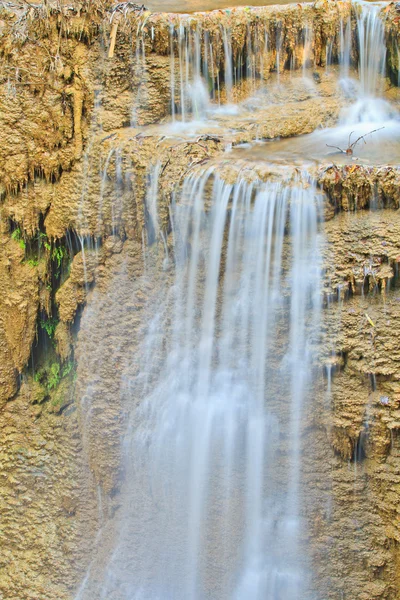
<point>46,499</point>
<point>19,302</point>
<point>63,340</point>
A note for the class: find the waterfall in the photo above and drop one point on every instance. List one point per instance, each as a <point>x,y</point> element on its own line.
<point>198,81</point>
<point>212,502</point>
<point>139,76</point>
<point>151,202</point>
<point>345,48</point>
<point>371,48</point>
<point>308,35</point>
<point>227,37</point>
<point>221,375</point>
<point>370,107</point>
<point>192,77</point>
<point>208,66</point>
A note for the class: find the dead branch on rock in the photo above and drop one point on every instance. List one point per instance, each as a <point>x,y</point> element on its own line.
<point>166,165</point>
<point>122,8</point>
<point>29,4</point>
<point>352,145</point>
<point>108,137</point>
<point>125,7</point>
<point>208,138</point>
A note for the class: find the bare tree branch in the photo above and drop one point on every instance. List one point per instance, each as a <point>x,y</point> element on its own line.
<point>337,148</point>
<point>350,147</point>
<point>348,143</point>
<point>362,137</point>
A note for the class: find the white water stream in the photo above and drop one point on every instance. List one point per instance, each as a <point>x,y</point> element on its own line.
<point>212,496</point>
<point>213,452</point>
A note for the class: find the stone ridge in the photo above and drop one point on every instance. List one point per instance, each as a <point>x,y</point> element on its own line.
<point>55,68</point>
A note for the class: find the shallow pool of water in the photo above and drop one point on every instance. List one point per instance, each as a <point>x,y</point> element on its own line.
<point>378,148</point>
<point>186,6</point>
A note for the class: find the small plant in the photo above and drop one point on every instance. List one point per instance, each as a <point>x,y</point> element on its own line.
<point>32,262</point>
<point>67,368</point>
<point>39,376</point>
<point>49,325</point>
<point>53,376</point>
<point>58,254</point>
<point>17,236</point>
<point>50,375</point>
<point>57,401</point>
<point>43,240</point>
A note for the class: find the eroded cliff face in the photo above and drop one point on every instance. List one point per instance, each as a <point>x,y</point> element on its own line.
<point>357,408</point>
<point>83,128</point>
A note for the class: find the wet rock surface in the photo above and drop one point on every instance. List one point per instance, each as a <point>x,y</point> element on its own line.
<point>48,502</point>
<point>81,134</point>
<point>19,285</point>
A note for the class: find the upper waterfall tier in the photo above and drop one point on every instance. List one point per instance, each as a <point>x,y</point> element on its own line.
<point>261,72</point>
<point>191,6</point>
<point>159,85</point>
<point>218,58</point>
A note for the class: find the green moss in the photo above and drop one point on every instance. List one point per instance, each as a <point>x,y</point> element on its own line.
<point>63,395</point>
<point>39,393</point>
<point>49,325</point>
<point>68,367</point>
<point>32,262</point>
<point>58,255</point>
<point>51,375</point>
<point>17,236</point>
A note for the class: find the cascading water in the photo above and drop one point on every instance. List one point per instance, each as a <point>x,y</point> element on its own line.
<point>367,115</point>
<point>371,47</point>
<point>345,48</point>
<point>369,107</point>
<point>208,66</point>
<point>194,98</point>
<point>198,74</point>
<point>212,452</point>
<point>211,502</point>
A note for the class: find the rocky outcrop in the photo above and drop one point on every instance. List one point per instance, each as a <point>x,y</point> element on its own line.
<point>56,68</point>
<point>354,187</point>
<point>19,305</point>
<point>48,500</point>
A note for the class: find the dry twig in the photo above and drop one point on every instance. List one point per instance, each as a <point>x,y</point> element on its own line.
<point>351,146</point>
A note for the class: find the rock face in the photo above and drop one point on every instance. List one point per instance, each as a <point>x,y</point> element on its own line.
<point>85,97</point>
<point>48,502</point>
<point>18,313</point>
<point>358,404</point>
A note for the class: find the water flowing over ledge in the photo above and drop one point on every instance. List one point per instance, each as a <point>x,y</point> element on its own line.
<point>212,451</point>
<point>198,359</point>
<point>217,59</point>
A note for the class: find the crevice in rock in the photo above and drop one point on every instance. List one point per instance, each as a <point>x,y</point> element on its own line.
<point>359,452</point>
